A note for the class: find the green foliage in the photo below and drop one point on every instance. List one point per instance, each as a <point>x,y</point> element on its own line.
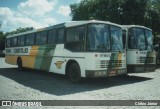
<point>125,12</point>
<point>3,35</point>
<point>2,40</point>
<point>20,30</point>
<point>118,11</point>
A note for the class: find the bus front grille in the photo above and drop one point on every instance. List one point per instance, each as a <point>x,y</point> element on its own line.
<point>146,60</point>
<point>109,63</point>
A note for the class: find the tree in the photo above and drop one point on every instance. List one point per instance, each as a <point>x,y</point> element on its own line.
<point>18,30</point>
<point>2,40</point>
<point>153,17</point>
<point>91,9</point>
<point>125,12</point>
<point>117,11</point>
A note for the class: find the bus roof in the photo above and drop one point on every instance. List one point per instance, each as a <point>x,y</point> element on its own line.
<point>131,26</point>
<point>67,24</point>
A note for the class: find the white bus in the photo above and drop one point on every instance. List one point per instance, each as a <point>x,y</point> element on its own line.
<point>138,43</point>
<point>77,49</point>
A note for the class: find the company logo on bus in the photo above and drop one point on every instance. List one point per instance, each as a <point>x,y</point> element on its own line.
<point>59,64</point>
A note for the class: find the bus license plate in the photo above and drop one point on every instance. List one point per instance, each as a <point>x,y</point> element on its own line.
<point>112,73</point>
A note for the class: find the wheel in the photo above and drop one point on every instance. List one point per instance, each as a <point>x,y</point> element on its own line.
<point>74,73</point>
<point>19,63</point>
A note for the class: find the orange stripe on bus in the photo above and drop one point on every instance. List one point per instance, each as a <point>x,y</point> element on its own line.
<point>119,57</point>
<point>11,60</point>
<point>34,51</point>
<point>29,61</point>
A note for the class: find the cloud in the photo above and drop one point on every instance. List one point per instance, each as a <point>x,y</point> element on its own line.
<point>49,20</point>
<point>4,12</point>
<point>12,20</point>
<point>64,10</point>
<point>36,7</point>
<point>34,13</point>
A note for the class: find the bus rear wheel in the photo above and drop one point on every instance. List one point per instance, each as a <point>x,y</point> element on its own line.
<point>19,63</point>
<point>74,73</point>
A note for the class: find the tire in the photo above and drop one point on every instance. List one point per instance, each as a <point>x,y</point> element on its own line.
<point>19,63</point>
<point>74,73</point>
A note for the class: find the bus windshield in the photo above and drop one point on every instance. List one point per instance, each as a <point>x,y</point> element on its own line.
<point>116,38</point>
<point>99,38</point>
<point>140,39</point>
<point>149,39</point>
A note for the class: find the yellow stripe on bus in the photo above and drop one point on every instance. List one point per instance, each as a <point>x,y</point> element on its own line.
<point>34,51</point>
<point>119,58</point>
<point>29,61</point>
<point>11,59</point>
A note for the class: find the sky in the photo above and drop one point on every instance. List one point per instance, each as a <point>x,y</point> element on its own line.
<point>33,13</point>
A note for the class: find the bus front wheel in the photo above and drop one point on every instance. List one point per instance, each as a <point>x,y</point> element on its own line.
<point>74,73</point>
<point>19,63</point>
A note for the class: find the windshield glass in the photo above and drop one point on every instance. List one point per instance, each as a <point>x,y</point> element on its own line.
<point>98,38</point>
<point>116,38</point>
<point>140,38</point>
<point>136,39</point>
<point>149,39</point>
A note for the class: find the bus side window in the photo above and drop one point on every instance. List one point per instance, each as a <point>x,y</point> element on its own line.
<point>14,41</point>
<point>124,38</point>
<point>41,37</point>
<point>132,39</point>
<point>74,38</point>
<point>8,43</point>
<point>60,36</point>
<point>30,39</point>
<point>129,40</point>
<point>21,40</point>
<point>52,36</point>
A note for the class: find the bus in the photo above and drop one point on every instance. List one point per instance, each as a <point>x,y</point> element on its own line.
<point>77,49</point>
<point>138,43</point>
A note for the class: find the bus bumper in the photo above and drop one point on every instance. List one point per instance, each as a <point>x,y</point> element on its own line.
<point>141,68</point>
<point>104,73</point>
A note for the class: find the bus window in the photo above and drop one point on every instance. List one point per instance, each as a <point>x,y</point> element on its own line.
<point>74,38</point>
<point>14,41</point>
<point>149,39</point>
<point>41,37</point>
<point>52,37</point>
<point>131,39</point>
<point>136,39</point>
<point>141,39</point>
<point>98,37</point>
<point>60,36</point>
<point>30,39</point>
<point>116,38</point>
<point>8,43</point>
<point>21,40</point>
